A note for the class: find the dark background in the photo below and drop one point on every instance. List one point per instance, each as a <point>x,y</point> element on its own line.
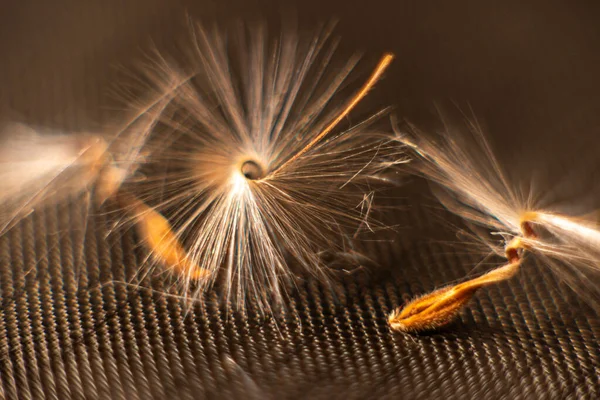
<point>529,71</point>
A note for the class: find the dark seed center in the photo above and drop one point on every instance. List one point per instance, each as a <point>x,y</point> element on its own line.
<point>252,170</point>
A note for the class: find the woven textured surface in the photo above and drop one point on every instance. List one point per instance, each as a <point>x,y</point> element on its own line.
<point>63,337</point>
<point>71,328</point>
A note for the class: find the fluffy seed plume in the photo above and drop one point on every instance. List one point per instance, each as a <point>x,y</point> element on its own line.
<point>252,163</point>
<point>41,166</point>
<point>38,167</point>
<point>242,169</point>
<point>470,182</point>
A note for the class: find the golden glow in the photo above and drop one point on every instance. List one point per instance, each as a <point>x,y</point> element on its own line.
<point>384,63</point>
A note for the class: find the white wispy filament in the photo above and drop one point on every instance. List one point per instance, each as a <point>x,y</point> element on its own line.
<point>472,184</point>
<point>251,165</point>
<point>38,168</point>
<point>238,170</point>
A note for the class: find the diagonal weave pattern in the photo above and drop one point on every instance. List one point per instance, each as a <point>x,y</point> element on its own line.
<point>71,328</point>
<point>91,337</point>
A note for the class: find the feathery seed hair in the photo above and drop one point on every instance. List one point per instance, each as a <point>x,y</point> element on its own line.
<point>470,182</point>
